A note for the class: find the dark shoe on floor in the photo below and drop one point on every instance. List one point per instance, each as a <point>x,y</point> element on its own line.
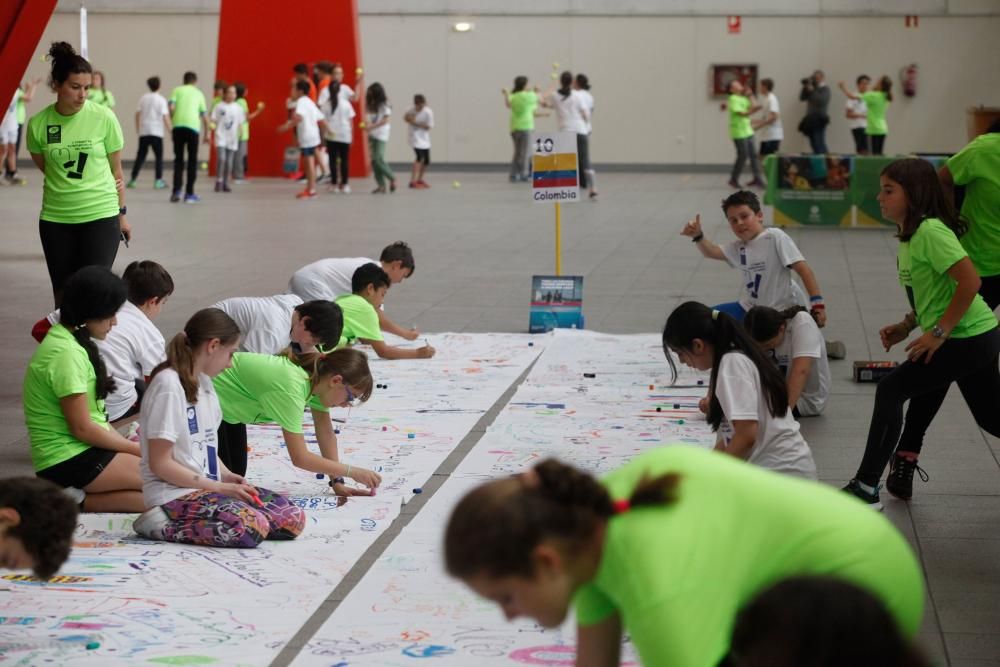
<point>900,480</point>
<point>175,197</point>
<point>871,499</point>
<point>218,186</point>
<point>756,184</point>
<point>392,186</point>
<point>734,185</point>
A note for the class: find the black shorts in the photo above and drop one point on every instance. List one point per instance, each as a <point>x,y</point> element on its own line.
<point>80,470</point>
<point>423,155</point>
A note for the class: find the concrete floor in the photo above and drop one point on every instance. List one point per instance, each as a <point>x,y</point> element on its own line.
<point>477,246</point>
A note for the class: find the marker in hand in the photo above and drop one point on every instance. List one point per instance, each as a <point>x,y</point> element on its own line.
<point>256,498</point>
<point>124,239</point>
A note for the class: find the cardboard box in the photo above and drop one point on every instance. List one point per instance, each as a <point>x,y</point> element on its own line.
<point>873,371</point>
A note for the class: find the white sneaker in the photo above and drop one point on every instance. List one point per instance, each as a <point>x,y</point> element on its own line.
<point>151,523</point>
<point>78,495</point>
<point>346,190</point>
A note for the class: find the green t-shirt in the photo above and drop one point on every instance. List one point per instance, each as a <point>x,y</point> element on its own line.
<point>264,389</point>
<point>79,185</point>
<point>678,574</point>
<point>102,97</point>
<point>522,110</point>
<point>20,109</point>
<point>739,125</point>
<point>877,104</point>
<point>59,368</point>
<point>188,107</point>
<point>245,127</point>
<point>360,319</point>
<point>977,167</point>
<point>933,250</point>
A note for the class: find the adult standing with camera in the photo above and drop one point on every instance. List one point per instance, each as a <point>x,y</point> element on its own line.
<point>816,94</point>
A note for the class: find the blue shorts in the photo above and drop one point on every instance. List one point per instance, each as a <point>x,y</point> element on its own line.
<point>308,151</point>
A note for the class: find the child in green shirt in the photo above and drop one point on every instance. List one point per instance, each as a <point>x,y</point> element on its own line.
<point>877,101</point>
<point>64,389</point>
<point>369,285</point>
<point>960,341</point>
<point>668,548</point>
<point>741,107</point>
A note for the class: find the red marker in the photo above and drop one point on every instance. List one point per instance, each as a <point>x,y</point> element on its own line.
<point>256,499</point>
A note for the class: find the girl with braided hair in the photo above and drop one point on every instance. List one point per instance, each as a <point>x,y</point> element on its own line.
<point>65,385</point>
<point>668,548</point>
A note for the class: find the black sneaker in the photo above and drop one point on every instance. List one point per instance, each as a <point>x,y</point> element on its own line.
<point>175,197</point>
<point>871,499</point>
<point>900,480</point>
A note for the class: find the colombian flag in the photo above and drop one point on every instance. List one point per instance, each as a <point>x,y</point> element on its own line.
<point>555,171</point>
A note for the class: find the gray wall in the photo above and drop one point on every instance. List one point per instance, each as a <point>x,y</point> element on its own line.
<point>649,65</point>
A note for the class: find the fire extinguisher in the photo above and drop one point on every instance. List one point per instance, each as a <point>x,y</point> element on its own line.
<point>909,78</point>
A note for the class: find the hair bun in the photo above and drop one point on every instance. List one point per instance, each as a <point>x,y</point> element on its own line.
<point>61,50</point>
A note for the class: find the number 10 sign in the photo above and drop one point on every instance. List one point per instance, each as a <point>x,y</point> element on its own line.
<point>554,168</point>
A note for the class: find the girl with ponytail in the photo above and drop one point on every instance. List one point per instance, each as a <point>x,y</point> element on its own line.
<point>792,338</point>
<point>668,548</point>
<point>747,394</point>
<point>192,497</point>
<point>65,385</point>
<point>260,389</point>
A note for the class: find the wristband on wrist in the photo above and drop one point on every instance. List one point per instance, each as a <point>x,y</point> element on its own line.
<point>700,236</point>
<point>816,299</point>
<point>348,473</point>
<point>817,306</point>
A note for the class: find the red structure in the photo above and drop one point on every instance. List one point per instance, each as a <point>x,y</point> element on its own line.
<point>260,40</point>
<point>22,23</point>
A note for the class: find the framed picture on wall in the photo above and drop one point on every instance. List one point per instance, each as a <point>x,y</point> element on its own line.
<point>723,74</point>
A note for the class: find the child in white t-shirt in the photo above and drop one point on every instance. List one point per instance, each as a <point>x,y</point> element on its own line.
<point>134,346</point>
<point>272,323</point>
<point>766,256</point>
<point>152,119</point>
<point>796,344</point>
<point>336,101</point>
<point>747,397</point>
<point>332,277</point>
<point>378,128</point>
<point>857,116</point>
<point>308,121</point>
<point>190,495</point>
<point>421,120</point>
<point>227,119</point>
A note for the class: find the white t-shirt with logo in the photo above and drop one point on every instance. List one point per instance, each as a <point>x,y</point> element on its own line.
<point>779,445</point>
<point>382,131</point>
<point>308,127</point>
<point>339,122</point>
<point>326,278</point>
<point>419,137</point>
<point>857,106</point>
<point>265,321</point>
<point>774,131</point>
<point>764,261</point>
<point>228,117</point>
<point>569,111</point>
<point>192,427</point>
<point>131,350</point>
<point>803,339</point>
<point>152,108</point>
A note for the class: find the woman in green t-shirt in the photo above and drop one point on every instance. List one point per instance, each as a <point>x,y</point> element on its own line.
<point>64,389</point>
<point>77,144</point>
<point>98,94</point>
<point>523,105</point>
<point>960,342</point>
<point>667,548</point>
<point>877,101</point>
<point>263,388</point>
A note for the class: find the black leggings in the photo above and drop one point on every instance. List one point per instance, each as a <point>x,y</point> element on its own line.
<point>338,150</point>
<point>185,138</point>
<point>233,446</point>
<point>922,409</point>
<point>69,247</point>
<point>145,143</point>
<point>860,140</point>
<point>583,156</point>
<point>971,362</point>
<point>878,141</point>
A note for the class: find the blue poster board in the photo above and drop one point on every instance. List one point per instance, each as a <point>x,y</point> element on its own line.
<point>556,303</point>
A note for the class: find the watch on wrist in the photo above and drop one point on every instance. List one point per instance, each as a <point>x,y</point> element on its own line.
<point>122,210</point>
<point>938,332</point>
